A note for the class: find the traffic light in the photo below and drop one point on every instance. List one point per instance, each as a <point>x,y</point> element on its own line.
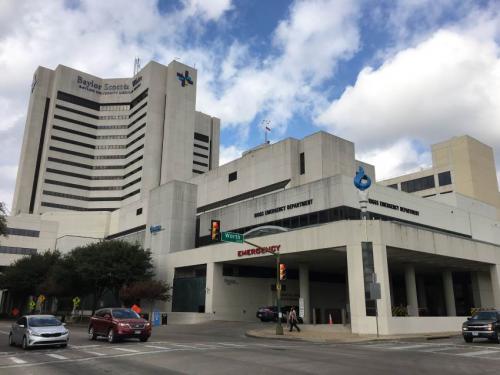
<point>215,230</point>
<point>282,271</point>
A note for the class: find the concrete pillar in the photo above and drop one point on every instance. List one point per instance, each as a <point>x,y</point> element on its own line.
<point>357,306</point>
<point>411,290</point>
<point>214,273</point>
<point>449,295</point>
<point>304,291</point>
<point>495,284</point>
<point>476,291</point>
<point>384,306</point>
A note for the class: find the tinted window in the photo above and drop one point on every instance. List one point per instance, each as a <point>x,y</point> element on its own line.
<point>302,163</point>
<point>100,313</point>
<point>233,176</point>
<point>418,184</point>
<point>125,314</point>
<point>444,178</point>
<point>485,315</point>
<point>46,321</point>
<point>21,321</point>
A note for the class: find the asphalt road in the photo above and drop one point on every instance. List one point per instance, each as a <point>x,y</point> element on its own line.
<point>222,348</point>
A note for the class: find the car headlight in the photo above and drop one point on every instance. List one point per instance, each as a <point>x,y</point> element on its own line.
<point>33,333</point>
<point>123,325</point>
<point>464,328</point>
<point>65,332</point>
<point>490,327</point>
<point>148,324</point>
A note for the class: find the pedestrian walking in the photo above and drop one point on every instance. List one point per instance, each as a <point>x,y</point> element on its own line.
<point>293,320</point>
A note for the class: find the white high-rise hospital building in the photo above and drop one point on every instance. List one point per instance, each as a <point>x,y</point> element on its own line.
<point>132,159</point>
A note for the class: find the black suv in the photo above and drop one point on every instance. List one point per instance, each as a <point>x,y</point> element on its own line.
<point>270,313</point>
<point>484,324</point>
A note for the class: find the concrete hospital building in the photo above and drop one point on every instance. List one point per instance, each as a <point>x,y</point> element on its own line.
<point>132,159</point>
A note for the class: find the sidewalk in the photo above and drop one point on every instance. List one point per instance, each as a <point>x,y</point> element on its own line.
<point>316,334</point>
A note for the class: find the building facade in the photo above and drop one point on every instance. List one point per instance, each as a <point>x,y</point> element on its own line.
<point>435,258</point>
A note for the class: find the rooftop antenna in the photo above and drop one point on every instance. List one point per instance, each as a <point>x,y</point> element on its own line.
<point>267,129</point>
<point>137,65</point>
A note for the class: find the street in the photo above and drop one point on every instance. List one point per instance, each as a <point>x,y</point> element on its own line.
<point>223,348</point>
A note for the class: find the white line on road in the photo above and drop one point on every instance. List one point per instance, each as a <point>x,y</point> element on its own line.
<point>481,352</point>
<point>57,356</point>
<point>4,332</point>
<point>408,347</point>
<point>83,346</point>
<point>127,350</point>
<point>231,344</point>
<point>437,349</point>
<point>94,353</point>
<point>156,347</point>
<point>17,360</point>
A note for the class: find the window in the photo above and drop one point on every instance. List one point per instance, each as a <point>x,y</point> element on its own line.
<point>23,232</point>
<point>393,186</point>
<point>201,137</point>
<point>138,211</point>
<point>444,178</point>
<point>302,163</point>
<point>17,250</point>
<point>422,183</point>
<point>233,176</point>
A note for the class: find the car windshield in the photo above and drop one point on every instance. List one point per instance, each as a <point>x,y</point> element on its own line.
<point>125,314</point>
<point>45,321</point>
<point>485,315</point>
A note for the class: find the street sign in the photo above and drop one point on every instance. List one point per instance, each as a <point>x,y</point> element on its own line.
<point>232,237</point>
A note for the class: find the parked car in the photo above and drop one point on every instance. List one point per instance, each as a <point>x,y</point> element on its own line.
<point>118,323</point>
<point>270,313</point>
<point>485,324</point>
<point>38,330</point>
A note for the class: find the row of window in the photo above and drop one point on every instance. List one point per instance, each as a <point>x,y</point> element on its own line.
<point>81,113</point>
<point>100,127</point>
<point>90,199</point>
<point>97,157</point>
<point>201,137</point>
<point>92,188</point>
<point>424,183</point>
<point>111,107</point>
<point>98,178</point>
<point>74,208</point>
<point>95,105</point>
<point>23,232</point>
<point>87,166</point>
<point>200,146</point>
<point>17,250</point>
<point>110,147</point>
<point>114,117</point>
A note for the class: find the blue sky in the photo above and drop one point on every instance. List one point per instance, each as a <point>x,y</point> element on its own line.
<point>392,76</point>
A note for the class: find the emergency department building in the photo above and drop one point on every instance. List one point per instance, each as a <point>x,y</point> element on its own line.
<point>433,245</point>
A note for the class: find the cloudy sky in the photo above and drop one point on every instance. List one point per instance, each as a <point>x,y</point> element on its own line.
<point>392,76</point>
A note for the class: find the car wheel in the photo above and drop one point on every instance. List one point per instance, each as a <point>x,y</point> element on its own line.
<point>468,339</point>
<point>92,335</point>
<point>111,336</point>
<point>11,340</point>
<point>144,339</point>
<point>25,345</point>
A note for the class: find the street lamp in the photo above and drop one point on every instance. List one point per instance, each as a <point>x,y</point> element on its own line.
<point>265,230</point>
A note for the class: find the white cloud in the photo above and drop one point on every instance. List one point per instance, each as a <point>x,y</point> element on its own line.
<point>447,85</point>
<point>229,153</point>
<point>209,9</point>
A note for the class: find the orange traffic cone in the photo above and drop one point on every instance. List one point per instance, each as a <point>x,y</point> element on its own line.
<point>330,320</point>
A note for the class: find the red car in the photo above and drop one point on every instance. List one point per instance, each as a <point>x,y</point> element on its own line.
<point>118,323</point>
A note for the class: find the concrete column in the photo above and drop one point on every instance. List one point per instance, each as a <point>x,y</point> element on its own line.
<point>411,290</point>
<point>449,295</point>
<point>304,291</point>
<point>495,284</point>
<point>384,306</point>
<point>357,306</point>
<point>476,291</point>
<point>214,273</point>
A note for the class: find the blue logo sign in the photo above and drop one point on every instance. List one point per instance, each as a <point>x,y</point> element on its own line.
<point>184,78</point>
<point>362,181</point>
<point>155,228</point>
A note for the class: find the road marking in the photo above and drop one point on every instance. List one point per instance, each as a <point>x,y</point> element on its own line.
<point>437,349</point>
<point>94,353</point>
<point>230,344</point>
<point>408,347</point>
<point>83,346</point>
<point>186,346</point>
<point>481,352</point>
<point>127,350</point>
<point>4,332</point>
<point>17,360</point>
<point>57,356</point>
<point>156,347</point>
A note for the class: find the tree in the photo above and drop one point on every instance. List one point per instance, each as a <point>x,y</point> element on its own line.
<point>107,265</point>
<point>24,277</point>
<point>3,220</point>
<point>150,290</point>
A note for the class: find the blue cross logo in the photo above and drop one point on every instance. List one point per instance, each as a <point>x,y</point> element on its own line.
<point>362,181</point>
<point>185,78</point>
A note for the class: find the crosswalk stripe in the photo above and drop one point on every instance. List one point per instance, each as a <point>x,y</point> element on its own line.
<point>57,356</point>
<point>481,352</point>
<point>127,350</point>
<point>17,360</point>
<point>407,347</point>
<point>157,347</point>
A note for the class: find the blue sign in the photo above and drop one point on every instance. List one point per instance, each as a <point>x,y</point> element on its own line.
<point>362,181</point>
<point>154,228</point>
<point>184,78</point>
<point>156,318</point>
